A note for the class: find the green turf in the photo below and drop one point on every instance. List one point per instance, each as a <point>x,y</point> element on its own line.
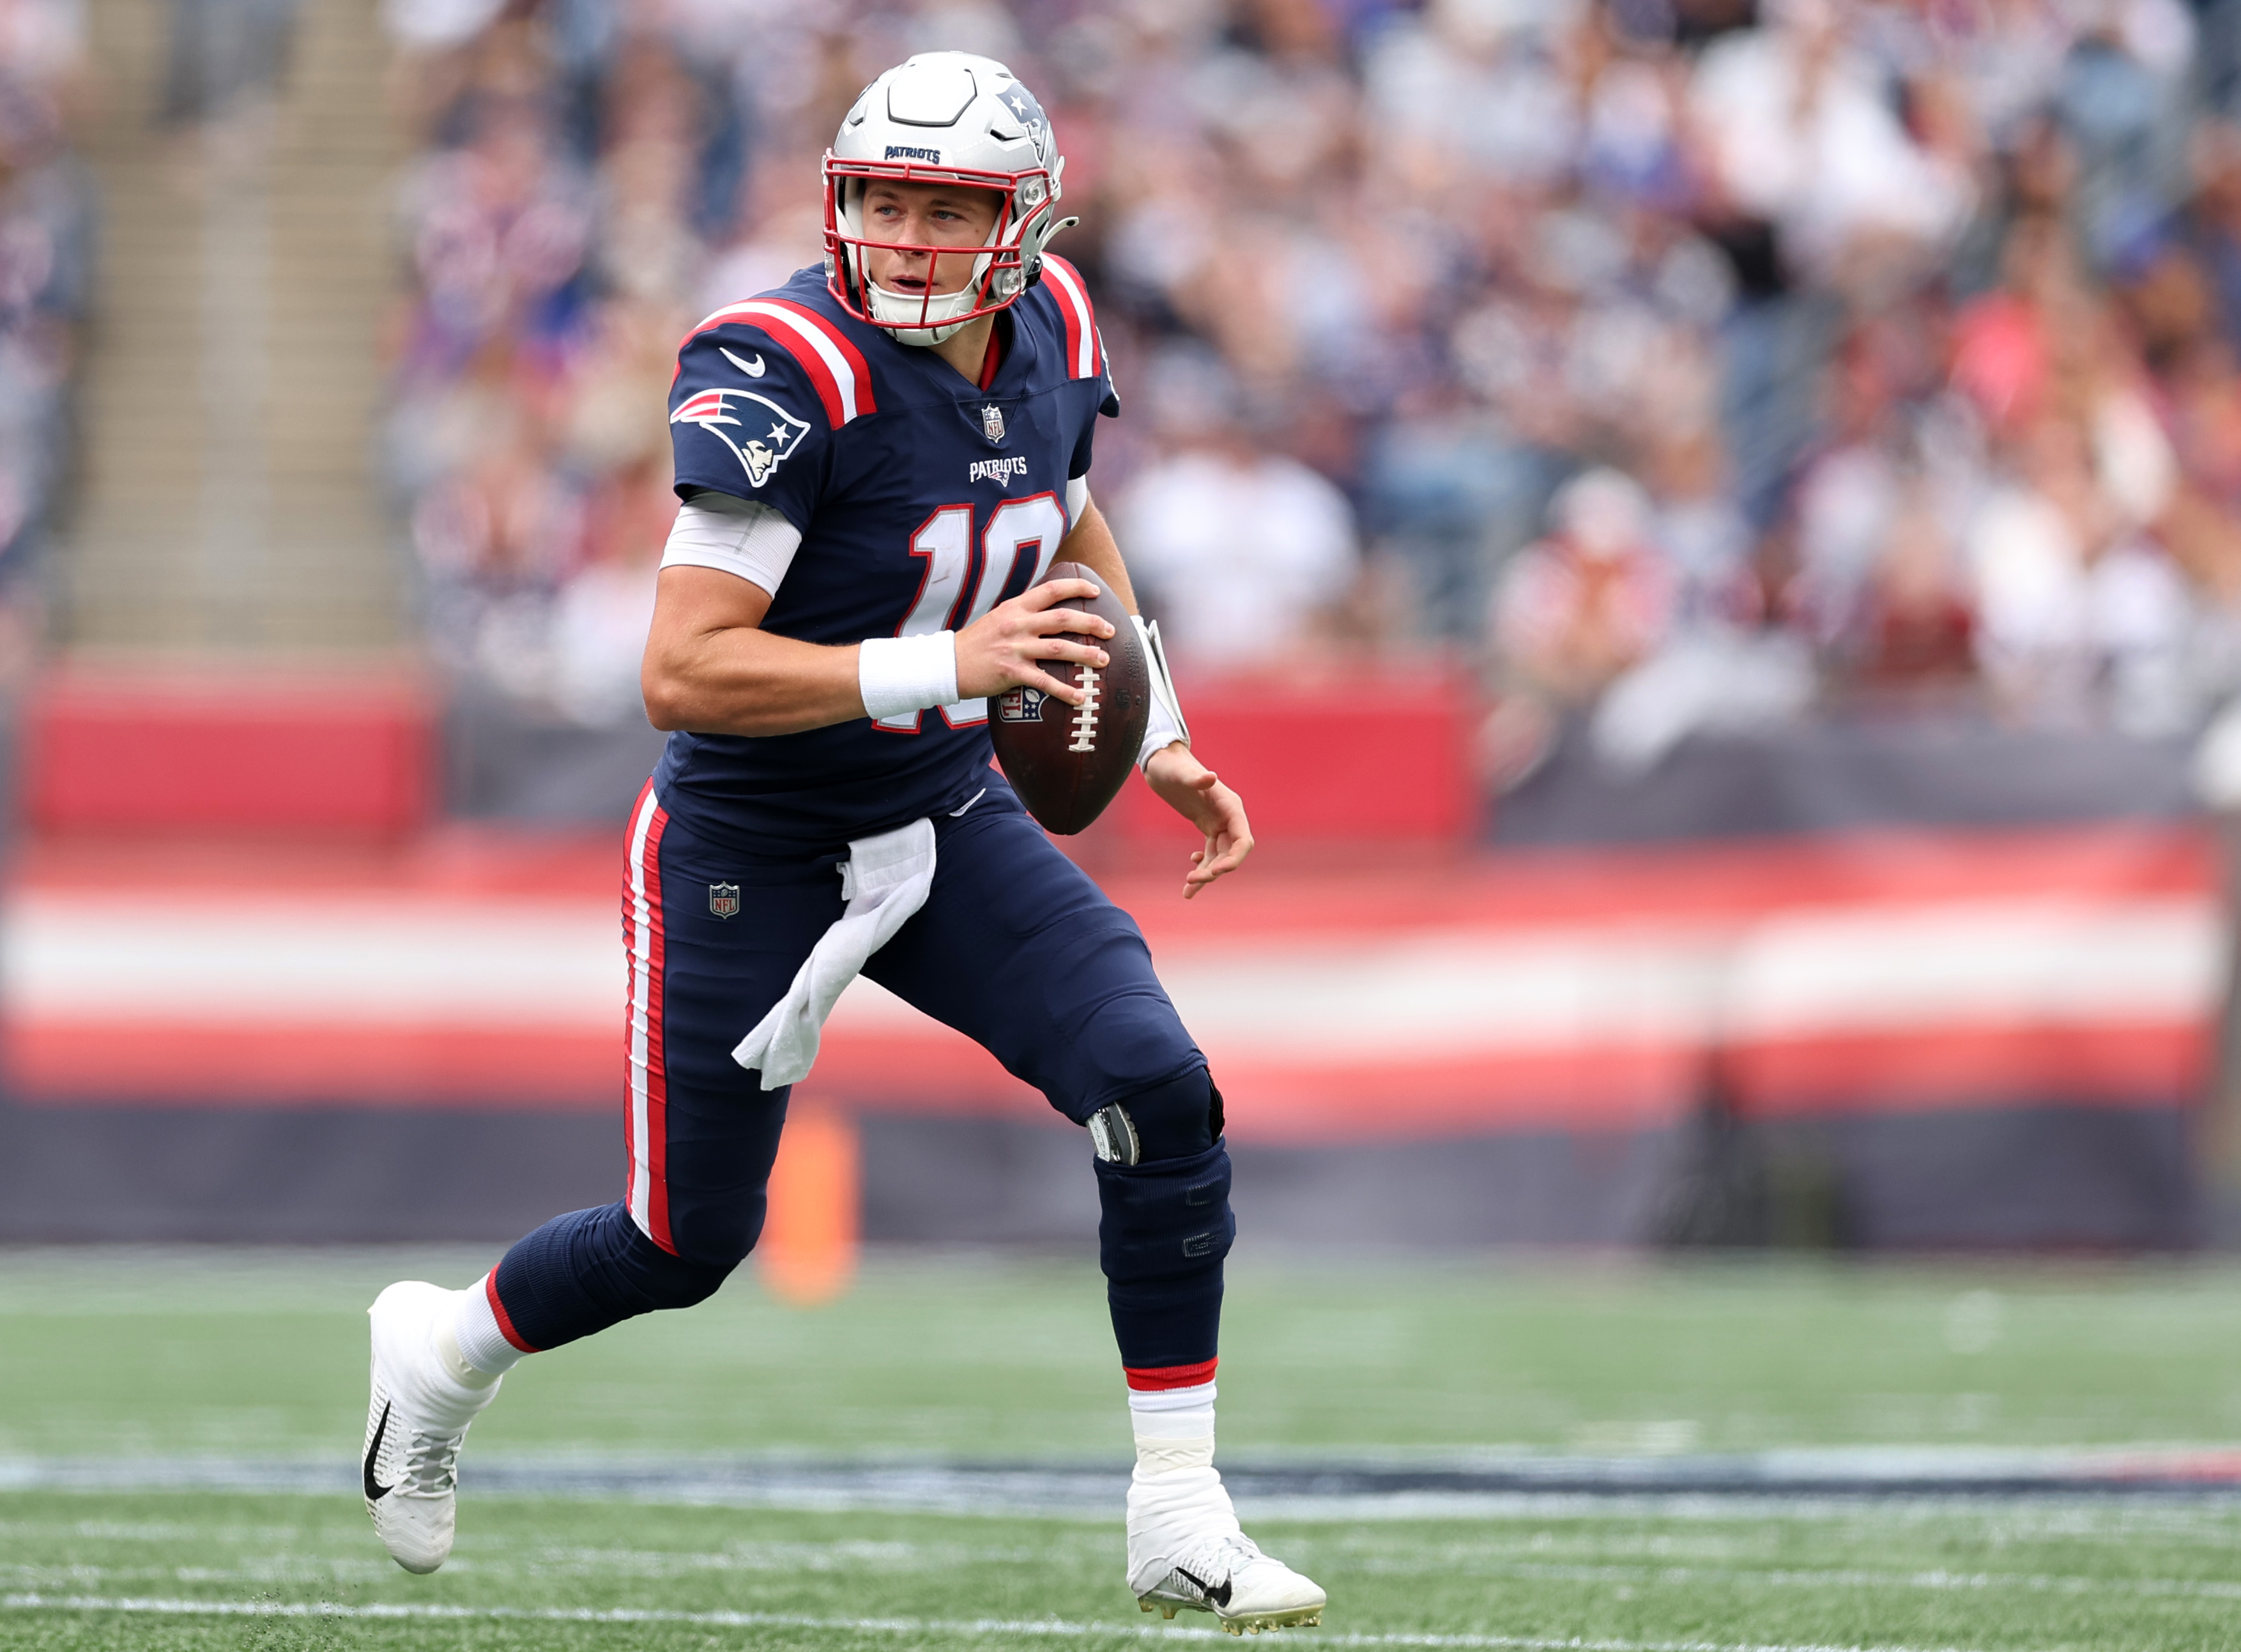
<point>234,1352</point>
<point>2034,1576</point>
<point>110,1353</point>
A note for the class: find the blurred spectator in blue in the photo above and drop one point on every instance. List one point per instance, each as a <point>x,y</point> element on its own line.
<point>1452,497</point>
<point>224,54</point>
<point>46,274</point>
<point>2120,101</point>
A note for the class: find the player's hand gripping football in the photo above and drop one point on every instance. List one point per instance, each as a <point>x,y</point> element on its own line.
<point>1196,792</point>
<point>1008,646</point>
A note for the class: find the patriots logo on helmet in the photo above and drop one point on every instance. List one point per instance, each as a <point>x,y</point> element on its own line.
<point>768,433</point>
<point>1029,114</point>
<point>1021,705</point>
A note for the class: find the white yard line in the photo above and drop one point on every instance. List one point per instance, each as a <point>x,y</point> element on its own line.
<point>679,1564</point>
<point>1041,1627</point>
<point>1690,1576</point>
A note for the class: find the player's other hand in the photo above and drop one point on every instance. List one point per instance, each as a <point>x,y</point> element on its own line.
<point>1010,647</point>
<point>1196,792</point>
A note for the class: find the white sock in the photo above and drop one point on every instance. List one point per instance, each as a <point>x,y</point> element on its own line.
<point>1174,1428</point>
<point>472,1347</point>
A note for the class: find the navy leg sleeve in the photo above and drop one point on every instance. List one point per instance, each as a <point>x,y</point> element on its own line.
<point>1164,1229</point>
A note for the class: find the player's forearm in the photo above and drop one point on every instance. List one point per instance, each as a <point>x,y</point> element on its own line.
<point>750,682</point>
<point>1092,545</point>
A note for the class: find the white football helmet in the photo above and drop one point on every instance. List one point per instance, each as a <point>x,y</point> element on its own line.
<point>949,118</point>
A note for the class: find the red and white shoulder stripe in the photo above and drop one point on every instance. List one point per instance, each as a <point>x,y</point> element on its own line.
<point>834,366</point>
<point>1085,350</point>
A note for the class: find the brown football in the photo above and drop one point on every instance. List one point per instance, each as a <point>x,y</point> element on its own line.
<point>1066,762</point>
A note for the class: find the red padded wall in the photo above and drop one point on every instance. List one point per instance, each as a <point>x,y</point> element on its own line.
<point>133,749</point>
<point>1363,757</point>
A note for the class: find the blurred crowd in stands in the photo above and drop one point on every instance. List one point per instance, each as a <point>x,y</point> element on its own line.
<point>46,246</point>
<point>1675,363</point>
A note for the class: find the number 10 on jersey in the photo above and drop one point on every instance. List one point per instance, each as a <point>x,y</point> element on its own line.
<point>956,588</point>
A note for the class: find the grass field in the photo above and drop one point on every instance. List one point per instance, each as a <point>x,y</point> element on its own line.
<point>158,1358</point>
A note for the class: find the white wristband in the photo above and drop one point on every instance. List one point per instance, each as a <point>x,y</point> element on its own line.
<point>1160,731</point>
<point>898,675</point>
<point>1165,725</point>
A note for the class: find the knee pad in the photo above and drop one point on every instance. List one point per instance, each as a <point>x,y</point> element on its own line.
<point>1177,1120</point>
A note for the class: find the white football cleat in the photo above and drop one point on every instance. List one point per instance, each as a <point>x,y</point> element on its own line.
<point>414,1425</point>
<point>1185,1551</point>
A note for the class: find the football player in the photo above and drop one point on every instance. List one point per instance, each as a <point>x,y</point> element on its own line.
<point>877,462</point>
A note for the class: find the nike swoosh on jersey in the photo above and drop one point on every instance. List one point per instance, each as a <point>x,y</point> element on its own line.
<point>754,372</point>
<point>375,1491</point>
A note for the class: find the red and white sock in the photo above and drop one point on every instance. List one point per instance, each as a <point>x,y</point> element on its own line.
<point>1174,1428</point>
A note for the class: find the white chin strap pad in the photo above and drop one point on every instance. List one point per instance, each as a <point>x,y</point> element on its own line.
<point>901,306</point>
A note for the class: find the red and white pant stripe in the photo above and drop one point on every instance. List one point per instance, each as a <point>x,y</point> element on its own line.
<point>647,1073</point>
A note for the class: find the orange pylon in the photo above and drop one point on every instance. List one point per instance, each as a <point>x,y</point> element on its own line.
<point>808,1249</point>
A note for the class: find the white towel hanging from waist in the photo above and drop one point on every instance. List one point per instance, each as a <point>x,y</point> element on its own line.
<point>884,880</point>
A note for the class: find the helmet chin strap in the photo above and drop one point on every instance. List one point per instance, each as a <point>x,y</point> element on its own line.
<point>901,306</point>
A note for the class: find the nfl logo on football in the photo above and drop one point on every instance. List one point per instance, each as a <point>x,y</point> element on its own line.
<point>991,422</point>
<point>1021,705</point>
<point>724,900</point>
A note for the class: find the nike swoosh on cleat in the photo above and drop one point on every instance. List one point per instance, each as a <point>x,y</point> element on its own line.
<point>375,1491</point>
<point>1219,1596</point>
<point>754,371</point>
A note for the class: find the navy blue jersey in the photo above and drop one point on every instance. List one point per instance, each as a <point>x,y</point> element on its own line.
<point>923,501</point>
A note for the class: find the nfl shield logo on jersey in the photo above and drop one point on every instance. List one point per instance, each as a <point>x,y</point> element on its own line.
<point>724,900</point>
<point>1021,705</point>
<point>991,422</point>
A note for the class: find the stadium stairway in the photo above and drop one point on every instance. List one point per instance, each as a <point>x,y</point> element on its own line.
<point>230,396</point>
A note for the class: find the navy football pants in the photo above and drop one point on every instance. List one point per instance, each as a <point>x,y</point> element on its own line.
<point>1014,947</point>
